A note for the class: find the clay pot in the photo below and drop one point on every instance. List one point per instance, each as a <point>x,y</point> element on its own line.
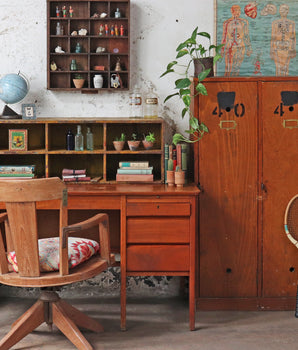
<point>118,145</point>
<point>147,144</point>
<point>133,145</point>
<point>170,177</point>
<point>179,178</point>
<point>78,83</point>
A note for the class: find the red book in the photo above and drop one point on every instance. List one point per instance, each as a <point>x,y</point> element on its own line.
<point>135,178</point>
<point>174,158</point>
<point>77,179</point>
<point>178,151</point>
<point>73,171</point>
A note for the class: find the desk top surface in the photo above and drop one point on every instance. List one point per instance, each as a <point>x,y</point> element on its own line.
<point>131,189</point>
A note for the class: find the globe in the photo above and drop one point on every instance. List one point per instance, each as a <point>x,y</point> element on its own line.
<point>13,88</point>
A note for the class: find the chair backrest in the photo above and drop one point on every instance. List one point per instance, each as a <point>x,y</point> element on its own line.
<point>20,197</point>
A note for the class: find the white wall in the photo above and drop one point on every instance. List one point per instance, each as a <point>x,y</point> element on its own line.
<point>157,26</point>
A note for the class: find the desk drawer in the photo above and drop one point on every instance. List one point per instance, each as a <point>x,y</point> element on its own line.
<point>158,208</point>
<point>157,230</point>
<point>158,258</point>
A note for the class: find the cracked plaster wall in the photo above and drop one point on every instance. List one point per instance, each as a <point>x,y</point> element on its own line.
<point>156,28</point>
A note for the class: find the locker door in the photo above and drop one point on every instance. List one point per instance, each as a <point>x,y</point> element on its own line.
<point>280,177</point>
<point>228,202</point>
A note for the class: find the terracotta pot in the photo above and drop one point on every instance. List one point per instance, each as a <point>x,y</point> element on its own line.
<point>118,145</point>
<point>179,178</point>
<point>133,145</point>
<point>78,83</point>
<point>170,177</point>
<point>147,144</point>
<point>201,64</point>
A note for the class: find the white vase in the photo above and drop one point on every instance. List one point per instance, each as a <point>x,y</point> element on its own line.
<point>98,81</point>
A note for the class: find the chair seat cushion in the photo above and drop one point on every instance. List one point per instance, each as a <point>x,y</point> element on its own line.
<point>79,250</point>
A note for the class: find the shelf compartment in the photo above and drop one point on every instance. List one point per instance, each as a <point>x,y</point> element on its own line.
<point>63,23</point>
<point>61,41</point>
<point>25,159</point>
<point>57,134</point>
<point>59,80</point>
<point>99,7</point>
<point>77,24</point>
<point>93,163</point>
<point>83,41</point>
<point>122,6</point>
<point>80,8</point>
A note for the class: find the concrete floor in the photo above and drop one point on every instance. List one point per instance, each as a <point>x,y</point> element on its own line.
<point>162,324</point>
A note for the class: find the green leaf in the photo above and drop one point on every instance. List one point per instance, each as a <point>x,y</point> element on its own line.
<point>194,34</point>
<point>194,123</point>
<point>203,127</point>
<point>166,72</point>
<point>217,58</point>
<point>201,89</point>
<point>205,34</point>
<point>182,83</point>
<point>170,96</point>
<point>182,53</point>
<point>186,100</point>
<point>177,138</point>
<point>184,111</point>
<point>184,92</point>
<point>171,64</point>
<point>204,74</point>
<point>190,42</point>
<point>181,46</point>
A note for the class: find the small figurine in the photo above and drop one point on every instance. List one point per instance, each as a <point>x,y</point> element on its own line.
<point>64,11</point>
<point>70,11</point>
<point>74,33</point>
<point>57,11</point>
<point>101,30</point>
<point>112,30</point>
<point>103,15</point>
<point>121,30</point>
<point>95,15</point>
<point>118,65</point>
<point>117,13</point>
<point>116,30</point>
<point>100,49</point>
<point>58,49</point>
<point>83,31</point>
<point>116,81</point>
<point>106,29</point>
<point>78,48</point>
<point>53,66</point>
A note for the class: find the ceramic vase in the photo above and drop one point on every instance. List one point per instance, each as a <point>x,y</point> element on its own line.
<point>170,177</point>
<point>179,178</point>
<point>98,81</point>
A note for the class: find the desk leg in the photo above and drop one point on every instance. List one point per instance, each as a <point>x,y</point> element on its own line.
<point>192,303</point>
<point>123,264</point>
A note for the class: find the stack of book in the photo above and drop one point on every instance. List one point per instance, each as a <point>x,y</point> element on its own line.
<point>134,172</point>
<point>75,175</point>
<point>17,172</point>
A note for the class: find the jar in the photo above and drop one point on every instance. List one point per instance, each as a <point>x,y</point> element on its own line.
<point>135,103</point>
<point>98,81</point>
<point>151,105</point>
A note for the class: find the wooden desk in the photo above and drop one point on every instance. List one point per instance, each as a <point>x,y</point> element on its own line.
<point>158,226</point>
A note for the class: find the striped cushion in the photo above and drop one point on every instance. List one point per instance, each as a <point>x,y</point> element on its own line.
<point>79,250</point>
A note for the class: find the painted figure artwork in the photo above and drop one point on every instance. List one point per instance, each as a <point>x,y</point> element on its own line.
<point>259,38</point>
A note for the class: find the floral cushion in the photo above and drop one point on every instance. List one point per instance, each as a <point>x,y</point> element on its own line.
<point>79,250</point>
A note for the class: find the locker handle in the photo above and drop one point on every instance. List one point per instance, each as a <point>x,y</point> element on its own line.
<point>290,123</point>
<point>227,124</point>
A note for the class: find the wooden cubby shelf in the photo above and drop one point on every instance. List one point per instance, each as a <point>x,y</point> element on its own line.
<point>47,146</point>
<point>115,43</point>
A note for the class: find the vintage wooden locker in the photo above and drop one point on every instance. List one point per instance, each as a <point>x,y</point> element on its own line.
<point>279,111</point>
<point>227,173</point>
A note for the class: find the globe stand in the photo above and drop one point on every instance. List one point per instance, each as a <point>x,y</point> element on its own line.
<point>9,113</point>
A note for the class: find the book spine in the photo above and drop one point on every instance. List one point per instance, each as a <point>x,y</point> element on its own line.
<point>184,148</point>
<point>134,178</point>
<point>73,171</point>
<point>134,164</point>
<point>178,151</point>
<point>17,175</point>
<point>174,158</point>
<point>17,169</point>
<point>77,179</point>
<point>132,168</point>
<point>72,176</point>
<point>134,171</point>
<point>166,160</point>
<point>15,178</point>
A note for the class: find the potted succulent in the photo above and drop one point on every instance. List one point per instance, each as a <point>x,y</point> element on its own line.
<point>196,53</point>
<point>179,177</point>
<point>119,142</point>
<point>148,140</point>
<point>78,81</point>
<point>133,143</point>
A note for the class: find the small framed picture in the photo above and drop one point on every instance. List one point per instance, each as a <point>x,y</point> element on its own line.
<point>18,139</point>
<point>28,111</point>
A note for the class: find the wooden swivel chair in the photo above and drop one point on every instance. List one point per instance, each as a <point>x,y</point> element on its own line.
<point>20,223</point>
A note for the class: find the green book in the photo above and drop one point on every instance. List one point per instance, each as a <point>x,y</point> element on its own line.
<point>166,160</point>
<point>17,175</point>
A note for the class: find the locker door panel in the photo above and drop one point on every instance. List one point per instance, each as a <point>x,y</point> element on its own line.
<point>280,177</point>
<point>228,202</point>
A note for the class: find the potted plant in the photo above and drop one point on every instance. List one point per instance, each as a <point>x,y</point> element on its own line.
<point>78,81</point>
<point>196,53</point>
<point>148,140</point>
<point>133,143</point>
<point>179,177</point>
<point>170,173</point>
<point>119,142</point>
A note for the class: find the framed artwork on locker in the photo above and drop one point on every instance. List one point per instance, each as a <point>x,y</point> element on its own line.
<point>259,37</point>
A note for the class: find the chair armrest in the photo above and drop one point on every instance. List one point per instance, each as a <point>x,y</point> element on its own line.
<point>102,220</point>
<point>3,261</point>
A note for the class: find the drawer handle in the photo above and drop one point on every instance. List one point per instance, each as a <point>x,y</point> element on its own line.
<point>158,207</point>
<point>227,124</point>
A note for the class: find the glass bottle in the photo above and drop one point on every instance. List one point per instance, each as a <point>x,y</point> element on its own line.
<point>135,103</point>
<point>117,13</point>
<point>79,139</point>
<point>89,140</point>
<point>73,65</point>
<point>58,28</point>
<point>151,105</point>
<point>70,141</point>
